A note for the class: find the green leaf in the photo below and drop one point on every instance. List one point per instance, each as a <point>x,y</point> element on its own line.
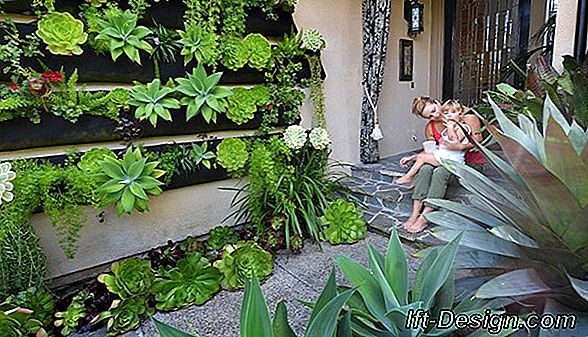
<point>127,200</point>
<point>255,317</point>
<point>328,293</point>
<point>580,286</point>
<point>396,265</point>
<point>325,323</point>
<point>515,283</point>
<point>111,167</point>
<point>280,325</point>
<point>166,330</point>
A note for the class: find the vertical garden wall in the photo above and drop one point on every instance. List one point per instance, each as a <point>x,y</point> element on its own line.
<point>122,109</point>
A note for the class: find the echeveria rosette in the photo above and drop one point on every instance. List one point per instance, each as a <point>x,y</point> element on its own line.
<point>345,223</point>
<point>6,186</point>
<point>220,236</point>
<point>121,31</point>
<point>90,161</point>
<point>232,154</point>
<point>36,299</point>
<point>69,320</point>
<point>62,33</point>
<point>192,281</point>
<point>241,106</point>
<point>260,51</point>
<point>18,322</point>
<point>240,261</point>
<point>153,101</point>
<point>199,44</point>
<point>129,278</point>
<point>319,138</point>
<point>202,94</point>
<point>124,315</point>
<point>234,53</point>
<point>312,39</point>
<point>295,137</point>
<point>128,182</point>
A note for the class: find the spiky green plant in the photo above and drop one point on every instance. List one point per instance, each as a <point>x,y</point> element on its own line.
<point>199,44</point>
<point>202,94</point>
<point>312,39</point>
<point>536,228</point>
<point>128,182</point>
<point>153,101</point>
<point>120,30</point>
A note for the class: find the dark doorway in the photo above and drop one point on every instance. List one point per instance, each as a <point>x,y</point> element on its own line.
<point>480,38</point>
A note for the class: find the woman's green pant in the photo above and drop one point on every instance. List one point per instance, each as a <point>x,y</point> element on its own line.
<point>431,182</point>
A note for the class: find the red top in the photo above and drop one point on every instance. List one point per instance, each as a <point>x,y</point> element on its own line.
<point>475,157</point>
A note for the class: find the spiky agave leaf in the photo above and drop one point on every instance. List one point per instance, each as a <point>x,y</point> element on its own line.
<point>541,221</point>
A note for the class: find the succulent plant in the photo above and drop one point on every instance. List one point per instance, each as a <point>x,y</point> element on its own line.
<point>121,31</point>
<point>192,281</point>
<point>18,322</point>
<point>69,320</point>
<point>90,161</point>
<point>124,315</point>
<point>128,182</point>
<point>130,278</point>
<point>241,106</point>
<point>234,53</point>
<point>296,244</point>
<point>319,138</point>
<point>36,299</point>
<point>272,240</point>
<point>128,128</point>
<point>220,236</point>
<point>62,33</point>
<point>6,186</point>
<point>241,261</point>
<point>312,40</point>
<point>260,51</point>
<point>295,137</point>
<point>203,94</point>
<point>232,154</point>
<point>199,44</point>
<point>153,101</point>
<point>39,87</point>
<point>345,223</point>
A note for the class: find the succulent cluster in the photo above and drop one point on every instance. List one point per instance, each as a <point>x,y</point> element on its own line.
<point>199,44</point>
<point>295,137</point>
<point>6,186</point>
<point>62,33</point>
<point>344,223</point>
<point>319,138</point>
<point>260,51</point>
<point>232,154</point>
<point>241,261</point>
<point>312,40</point>
<point>220,236</point>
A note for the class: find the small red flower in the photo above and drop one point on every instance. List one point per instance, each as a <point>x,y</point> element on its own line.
<point>52,76</point>
<point>13,87</point>
<point>270,106</point>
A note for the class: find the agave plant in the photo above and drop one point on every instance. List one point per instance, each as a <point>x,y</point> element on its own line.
<point>536,230</point>
<point>62,33</point>
<point>199,44</point>
<point>121,31</point>
<point>203,94</point>
<point>128,182</point>
<point>153,101</point>
<point>384,301</point>
<point>257,322</point>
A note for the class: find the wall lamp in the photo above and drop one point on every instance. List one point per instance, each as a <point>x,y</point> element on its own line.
<point>413,14</point>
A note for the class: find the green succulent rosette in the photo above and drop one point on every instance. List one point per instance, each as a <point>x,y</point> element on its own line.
<point>232,154</point>
<point>241,261</point>
<point>260,51</point>
<point>62,33</point>
<point>221,236</point>
<point>125,315</point>
<point>344,223</point>
<point>132,277</point>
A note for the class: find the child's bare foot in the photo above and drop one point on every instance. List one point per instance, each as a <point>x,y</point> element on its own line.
<point>410,222</point>
<point>404,180</point>
<point>418,226</point>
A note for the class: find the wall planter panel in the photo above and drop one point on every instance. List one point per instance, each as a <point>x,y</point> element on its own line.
<point>20,133</point>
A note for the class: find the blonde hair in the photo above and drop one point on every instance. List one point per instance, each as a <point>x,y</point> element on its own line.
<point>454,104</point>
<point>420,103</point>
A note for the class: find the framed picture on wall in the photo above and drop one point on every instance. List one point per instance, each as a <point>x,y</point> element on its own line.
<point>406,60</point>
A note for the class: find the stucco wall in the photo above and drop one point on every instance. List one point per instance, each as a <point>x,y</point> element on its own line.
<point>340,23</point>
<point>565,31</point>
<point>403,131</point>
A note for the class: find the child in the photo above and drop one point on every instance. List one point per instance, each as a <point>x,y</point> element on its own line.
<point>453,112</point>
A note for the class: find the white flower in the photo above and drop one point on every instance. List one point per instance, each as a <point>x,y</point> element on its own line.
<point>5,185</point>
<point>295,137</point>
<point>319,138</point>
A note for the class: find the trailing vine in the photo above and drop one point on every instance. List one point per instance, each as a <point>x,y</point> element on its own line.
<point>317,94</point>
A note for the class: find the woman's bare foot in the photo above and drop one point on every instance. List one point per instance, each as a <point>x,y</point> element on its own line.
<point>418,226</point>
<point>404,180</point>
<point>410,222</point>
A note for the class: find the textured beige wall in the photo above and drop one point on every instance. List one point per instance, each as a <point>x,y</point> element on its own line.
<point>403,131</point>
<point>565,31</point>
<point>340,23</point>
<point>174,215</point>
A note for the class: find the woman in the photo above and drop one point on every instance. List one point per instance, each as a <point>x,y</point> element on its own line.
<point>431,182</point>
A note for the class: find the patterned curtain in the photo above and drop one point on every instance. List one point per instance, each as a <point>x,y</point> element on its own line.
<point>376,25</point>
